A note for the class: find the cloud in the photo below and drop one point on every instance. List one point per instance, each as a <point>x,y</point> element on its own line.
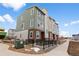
<point>72,23</point>
<point>14,6</point>
<point>2,19</point>
<point>8,21</point>
<point>64,33</point>
<point>66,24</point>
<point>8,18</point>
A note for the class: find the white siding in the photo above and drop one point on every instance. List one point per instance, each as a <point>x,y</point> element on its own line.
<point>51,26</point>
<point>76,37</point>
<point>46,26</point>
<point>11,33</point>
<point>23,35</point>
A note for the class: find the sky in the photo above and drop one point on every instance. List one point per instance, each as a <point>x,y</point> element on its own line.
<point>65,14</point>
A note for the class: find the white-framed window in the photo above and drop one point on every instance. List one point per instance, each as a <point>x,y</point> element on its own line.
<point>37,35</point>
<point>31,22</point>
<point>31,34</point>
<point>32,11</point>
<point>22,26</point>
<point>38,22</point>
<point>38,13</point>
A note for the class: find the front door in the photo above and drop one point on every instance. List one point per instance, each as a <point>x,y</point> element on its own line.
<point>42,35</point>
<point>53,36</point>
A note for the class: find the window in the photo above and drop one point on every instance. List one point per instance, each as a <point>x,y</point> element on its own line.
<point>37,35</point>
<point>31,34</point>
<point>32,11</point>
<point>22,26</point>
<point>38,25</point>
<point>31,22</point>
<point>38,22</point>
<point>38,13</point>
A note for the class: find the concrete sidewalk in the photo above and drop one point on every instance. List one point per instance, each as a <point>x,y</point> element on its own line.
<point>61,50</point>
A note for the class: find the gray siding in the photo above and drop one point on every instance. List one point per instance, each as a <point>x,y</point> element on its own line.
<point>39,20</point>
<point>26,17</point>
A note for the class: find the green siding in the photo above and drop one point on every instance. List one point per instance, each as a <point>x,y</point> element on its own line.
<point>27,17</point>
<point>39,18</point>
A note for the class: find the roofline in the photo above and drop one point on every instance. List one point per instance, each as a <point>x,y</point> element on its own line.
<point>75,34</point>
<point>53,20</point>
<point>37,8</point>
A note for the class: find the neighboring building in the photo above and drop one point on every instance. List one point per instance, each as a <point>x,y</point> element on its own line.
<point>11,33</point>
<point>34,23</point>
<point>75,36</point>
<point>2,33</point>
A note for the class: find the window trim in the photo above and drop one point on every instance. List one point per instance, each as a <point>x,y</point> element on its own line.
<point>22,26</point>
<point>32,11</point>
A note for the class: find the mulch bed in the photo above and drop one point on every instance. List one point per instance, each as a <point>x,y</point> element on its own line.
<point>22,50</point>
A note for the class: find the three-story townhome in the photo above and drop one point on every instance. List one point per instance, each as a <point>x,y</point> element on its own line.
<point>34,23</point>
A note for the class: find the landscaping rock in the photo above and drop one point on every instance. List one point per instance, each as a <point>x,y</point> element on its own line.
<point>35,49</point>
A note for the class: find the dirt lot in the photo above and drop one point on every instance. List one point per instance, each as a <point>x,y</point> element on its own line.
<point>73,48</point>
